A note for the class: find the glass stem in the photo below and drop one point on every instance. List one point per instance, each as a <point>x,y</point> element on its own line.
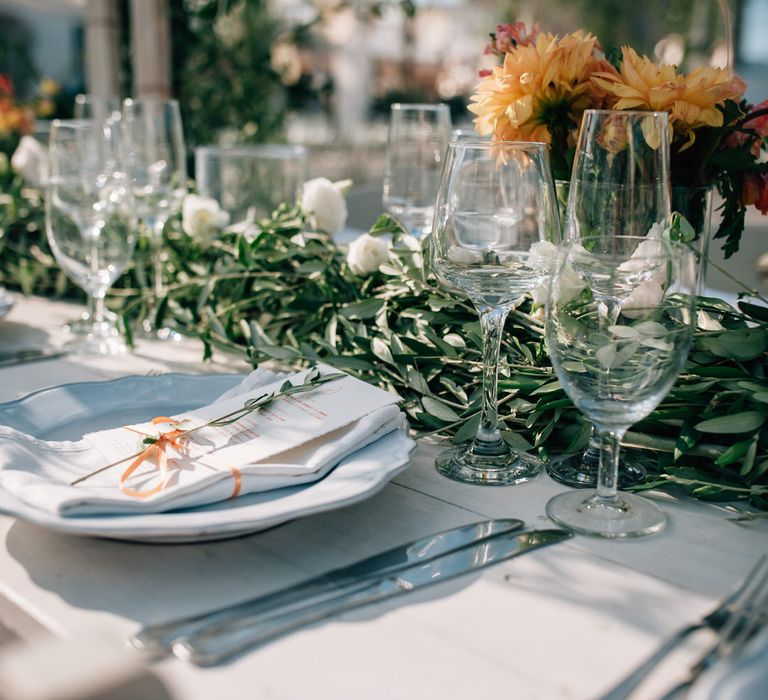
<point>608,473</point>
<point>98,308</point>
<point>91,306</point>
<point>157,261</point>
<point>488,440</point>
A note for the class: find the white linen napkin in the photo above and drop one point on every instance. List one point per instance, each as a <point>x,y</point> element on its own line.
<point>39,472</point>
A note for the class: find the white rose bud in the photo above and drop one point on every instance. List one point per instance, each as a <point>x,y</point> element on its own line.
<point>323,201</point>
<point>202,217</point>
<point>366,253</point>
<point>30,160</point>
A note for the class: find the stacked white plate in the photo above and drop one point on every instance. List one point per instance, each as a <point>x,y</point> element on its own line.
<point>69,411</point>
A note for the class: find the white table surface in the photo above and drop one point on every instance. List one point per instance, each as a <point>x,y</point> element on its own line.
<point>563,622</point>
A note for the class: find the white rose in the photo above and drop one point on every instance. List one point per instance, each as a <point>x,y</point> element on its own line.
<point>643,299</point>
<point>323,201</point>
<point>543,257</point>
<point>202,217</point>
<point>463,256</point>
<point>30,160</point>
<point>366,253</point>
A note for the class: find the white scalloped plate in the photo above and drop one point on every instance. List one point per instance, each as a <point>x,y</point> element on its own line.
<point>89,406</point>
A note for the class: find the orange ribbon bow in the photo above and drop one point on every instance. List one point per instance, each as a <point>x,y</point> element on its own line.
<point>155,451</point>
<point>173,438</point>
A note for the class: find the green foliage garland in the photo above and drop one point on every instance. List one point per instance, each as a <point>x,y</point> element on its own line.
<point>290,296</point>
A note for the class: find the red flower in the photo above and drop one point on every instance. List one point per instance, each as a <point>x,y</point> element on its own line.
<point>756,124</point>
<point>759,124</point>
<point>755,191</point>
<point>509,36</point>
<point>6,86</point>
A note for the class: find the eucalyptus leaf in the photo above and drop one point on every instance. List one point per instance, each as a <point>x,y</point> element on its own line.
<point>744,422</point>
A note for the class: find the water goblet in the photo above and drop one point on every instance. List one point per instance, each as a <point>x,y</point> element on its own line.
<point>89,218</point>
<point>157,168</point>
<point>418,138</point>
<point>619,318</point>
<point>100,109</point>
<point>496,203</point>
<point>250,182</point>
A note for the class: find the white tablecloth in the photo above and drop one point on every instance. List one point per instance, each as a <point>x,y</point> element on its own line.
<point>562,622</point>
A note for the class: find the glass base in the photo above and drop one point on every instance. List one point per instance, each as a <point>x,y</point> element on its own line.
<point>463,464</point>
<point>580,470</point>
<point>101,339</point>
<point>148,331</point>
<point>84,323</point>
<point>586,514</point>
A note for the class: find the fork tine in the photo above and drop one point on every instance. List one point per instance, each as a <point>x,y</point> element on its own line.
<point>629,683</point>
<point>746,614</point>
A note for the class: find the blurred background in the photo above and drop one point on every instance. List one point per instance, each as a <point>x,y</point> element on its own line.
<point>323,73</point>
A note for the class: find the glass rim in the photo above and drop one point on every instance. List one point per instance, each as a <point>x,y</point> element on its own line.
<point>486,145</point>
<point>130,101</point>
<point>75,123</point>
<point>431,106</point>
<point>266,150</point>
<point>628,112</point>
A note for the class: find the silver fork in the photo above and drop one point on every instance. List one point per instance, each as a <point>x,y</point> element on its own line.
<point>747,615</point>
<point>716,620</point>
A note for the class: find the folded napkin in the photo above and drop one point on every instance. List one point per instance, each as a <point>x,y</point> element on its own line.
<point>292,441</point>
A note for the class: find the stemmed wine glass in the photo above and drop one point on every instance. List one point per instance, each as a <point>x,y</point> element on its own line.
<point>618,345</point>
<point>99,109</point>
<point>89,218</point>
<point>157,167</point>
<point>418,138</point>
<point>496,202</point>
<point>249,182</point>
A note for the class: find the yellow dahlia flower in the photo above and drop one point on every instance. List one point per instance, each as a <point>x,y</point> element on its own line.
<point>691,100</point>
<point>541,89</point>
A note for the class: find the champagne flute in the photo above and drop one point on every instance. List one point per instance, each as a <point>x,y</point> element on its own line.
<point>89,218</point>
<point>618,344</point>
<point>418,137</point>
<point>157,167</point>
<point>496,203</point>
<point>100,109</point>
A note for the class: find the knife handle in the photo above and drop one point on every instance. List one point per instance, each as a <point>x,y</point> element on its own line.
<point>216,643</point>
<point>156,640</point>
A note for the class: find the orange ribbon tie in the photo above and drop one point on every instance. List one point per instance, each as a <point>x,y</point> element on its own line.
<point>157,451</point>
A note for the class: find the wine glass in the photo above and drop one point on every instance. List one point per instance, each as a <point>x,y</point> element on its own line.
<point>249,182</point>
<point>157,167</point>
<point>97,107</point>
<point>100,109</point>
<point>89,218</point>
<point>620,314</point>
<point>418,137</point>
<point>496,203</point>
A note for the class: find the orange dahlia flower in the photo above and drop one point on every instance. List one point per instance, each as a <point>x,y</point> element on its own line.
<point>541,89</point>
<point>691,100</point>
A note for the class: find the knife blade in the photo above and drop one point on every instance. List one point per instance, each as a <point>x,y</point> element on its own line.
<point>221,641</point>
<point>18,357</point>
<point>155,640</point>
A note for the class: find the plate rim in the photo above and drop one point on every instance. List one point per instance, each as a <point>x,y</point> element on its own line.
<point>103,382</point>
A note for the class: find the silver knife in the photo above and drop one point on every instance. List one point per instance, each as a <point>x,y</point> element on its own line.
<point>24,355</point>
<point>156,639</point>
<point>221,641</point>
